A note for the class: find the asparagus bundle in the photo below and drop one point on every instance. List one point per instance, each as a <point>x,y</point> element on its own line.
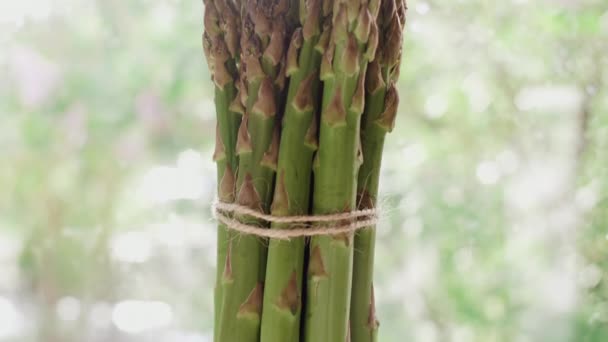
<point>352,44</point>
<point>378,119</point>
<point>311,110</point>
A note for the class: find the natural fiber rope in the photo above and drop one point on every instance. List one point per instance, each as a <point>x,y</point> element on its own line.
<point>364,218</point>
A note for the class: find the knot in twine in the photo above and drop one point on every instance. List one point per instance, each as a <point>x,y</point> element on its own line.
<point>299,226</point>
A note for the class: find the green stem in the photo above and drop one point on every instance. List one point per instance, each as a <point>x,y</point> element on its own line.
<point>241,301</point>
<point>378,120</point>
<point>335,169</point>
<point>283,288</point>
<point>222,55</point>
<point>228,123</point>
<point>363,321</point>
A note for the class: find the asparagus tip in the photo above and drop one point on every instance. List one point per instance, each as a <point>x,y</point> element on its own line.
<point>211,21</point>
<point>311,22</point>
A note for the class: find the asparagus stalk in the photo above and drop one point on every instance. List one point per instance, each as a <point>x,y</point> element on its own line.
<point>221,49</point>
<point>352,44</point>
<point>262,42</point>
<point>283,289</point>
<point>378,119</point>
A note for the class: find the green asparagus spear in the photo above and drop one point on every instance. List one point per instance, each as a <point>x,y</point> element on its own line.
<point>352,43</point>
<point>378,119</point>
<point>283,289</point>
<point>221,49</point>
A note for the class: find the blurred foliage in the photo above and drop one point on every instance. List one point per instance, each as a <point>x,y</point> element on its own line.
<point>495,180</point>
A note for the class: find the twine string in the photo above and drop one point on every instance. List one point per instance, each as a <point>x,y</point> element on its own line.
<point>301,225</point>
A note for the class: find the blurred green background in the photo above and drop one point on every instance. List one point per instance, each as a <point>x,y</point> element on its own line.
<point>494,181</point>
